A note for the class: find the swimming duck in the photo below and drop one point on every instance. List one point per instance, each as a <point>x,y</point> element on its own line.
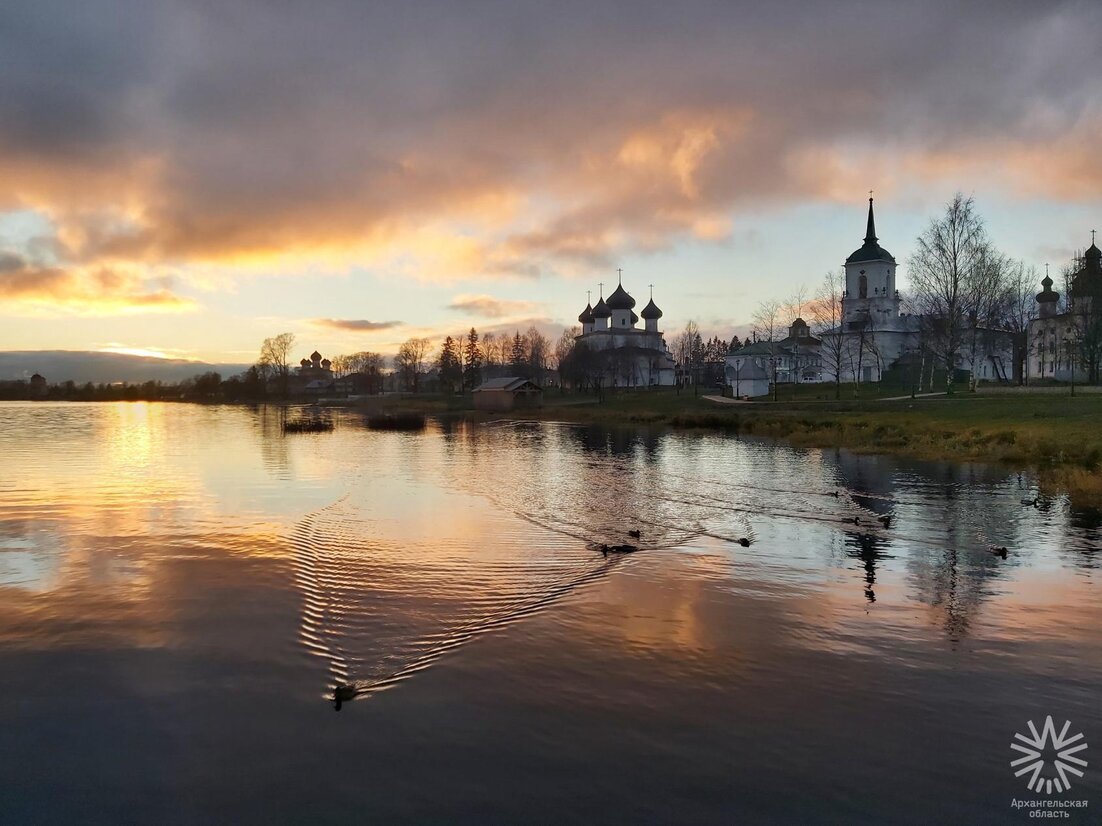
<point>999,550</point>
<point>342,693</point>
<point>744,542</point>
<point>634,534</point>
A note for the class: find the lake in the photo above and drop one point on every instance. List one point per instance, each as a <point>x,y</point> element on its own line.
<point>803,636</point>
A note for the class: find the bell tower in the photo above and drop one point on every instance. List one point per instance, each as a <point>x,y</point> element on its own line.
<point>870,282</point>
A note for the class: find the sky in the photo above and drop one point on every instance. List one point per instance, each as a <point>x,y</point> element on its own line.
<point>187,178</point>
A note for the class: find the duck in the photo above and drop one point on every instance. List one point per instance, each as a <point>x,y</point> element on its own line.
<point>618,549</point>
<point>1031,502</point>
<point>635,534</point>
<point>999,551</point>
<point>342,693</point>
<point>744,542</point>
<point>885,520</point>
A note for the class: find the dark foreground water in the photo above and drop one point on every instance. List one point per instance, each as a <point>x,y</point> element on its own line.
<point>182,586</point>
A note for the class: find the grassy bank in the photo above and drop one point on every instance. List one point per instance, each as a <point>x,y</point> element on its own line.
<point>1058,435</point>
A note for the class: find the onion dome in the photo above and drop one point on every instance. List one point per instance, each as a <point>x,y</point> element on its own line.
<point>315,356</point>
<point>602,310</point>
<point>651,311</point>
<point>326,363</point>
<point>304,363</point>
<point>634,317</point>
<point>620,300</point>
<point>587,315</point>
<point>1047,295</point>
<point>1092,253</point>
<point>871,251</point>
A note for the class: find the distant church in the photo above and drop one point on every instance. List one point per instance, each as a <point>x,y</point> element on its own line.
<point>1067,345</point>
<point>619,352</point>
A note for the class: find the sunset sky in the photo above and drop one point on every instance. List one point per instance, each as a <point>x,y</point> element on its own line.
<point>187,178</point>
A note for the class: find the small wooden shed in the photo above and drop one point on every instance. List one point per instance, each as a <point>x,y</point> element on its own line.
<point>508,393</point>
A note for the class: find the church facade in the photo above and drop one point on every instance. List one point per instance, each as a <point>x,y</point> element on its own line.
<point>1067,345</point>
<point>613,352</point>
<point>876,335</point>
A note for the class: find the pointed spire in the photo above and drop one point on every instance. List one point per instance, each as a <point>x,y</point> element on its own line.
<point>870,232</point>
<point>620,274</point>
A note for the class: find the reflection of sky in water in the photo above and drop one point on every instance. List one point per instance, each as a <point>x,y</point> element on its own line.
<point>193,559</point>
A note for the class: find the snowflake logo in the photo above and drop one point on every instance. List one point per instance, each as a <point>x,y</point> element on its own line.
<point>1033,761</point>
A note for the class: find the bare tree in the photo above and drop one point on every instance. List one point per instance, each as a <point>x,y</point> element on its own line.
<point>948,271</point>
<point>826,315</point>
<point>538,348</point>
<point>275,358</point>
<point>1017,309</point>
<point>766,320</point>
<point>410,361</point>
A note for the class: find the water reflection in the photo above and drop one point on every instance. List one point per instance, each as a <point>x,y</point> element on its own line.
<point>202,553</point>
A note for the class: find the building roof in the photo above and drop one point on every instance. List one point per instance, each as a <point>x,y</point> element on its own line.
<point>315,356</point>
<point>1093,252</point>
<point>871,251</point>
<point>651,310</point>
<point>509,383</point>
<point>587,315</point>
<point>601,310</point>
<point>620,300</point>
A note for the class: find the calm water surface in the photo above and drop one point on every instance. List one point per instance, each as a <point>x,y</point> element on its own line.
<point>182,586</point>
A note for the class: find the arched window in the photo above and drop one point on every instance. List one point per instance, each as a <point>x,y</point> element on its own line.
<point>863,287</point>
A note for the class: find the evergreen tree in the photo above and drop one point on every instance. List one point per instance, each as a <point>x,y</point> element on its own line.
<point>451,370</point>
<point>472,361</point>
<point>518,359</point>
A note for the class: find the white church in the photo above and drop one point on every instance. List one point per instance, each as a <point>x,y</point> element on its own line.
<point>618,352</point>
<point>874,335</point>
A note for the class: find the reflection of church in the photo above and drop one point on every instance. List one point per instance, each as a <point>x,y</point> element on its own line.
<point>624,355</point>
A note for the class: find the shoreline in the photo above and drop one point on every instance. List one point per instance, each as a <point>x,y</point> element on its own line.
<point>1058,437</point>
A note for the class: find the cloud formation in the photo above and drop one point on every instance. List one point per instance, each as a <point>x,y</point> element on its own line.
<point>90,291</point>
<point>354,324</point>
<point>486,306</point>
<point>447,141</point>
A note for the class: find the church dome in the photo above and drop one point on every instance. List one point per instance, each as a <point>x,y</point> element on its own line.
<point>634,317</point>
<point>620,300</point>
<point>870,251</point>
<point>587,315</point>
<point>315,356</point>
<point>651,310</point>
<point>602,310</point>
<point>1047,295</point>
<point>1093,253</point>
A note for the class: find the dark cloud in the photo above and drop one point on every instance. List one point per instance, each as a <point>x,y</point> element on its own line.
<point>356,324</point>
<point>567,131</point>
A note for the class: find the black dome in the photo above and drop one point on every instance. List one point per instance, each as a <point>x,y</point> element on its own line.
<point>1093,252</point>
<point>601,310</point>
<point>587,315</point>
<point>620,300</point>
<point>651,310</point>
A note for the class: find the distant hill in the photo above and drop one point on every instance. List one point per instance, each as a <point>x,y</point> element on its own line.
<point>84,366</point>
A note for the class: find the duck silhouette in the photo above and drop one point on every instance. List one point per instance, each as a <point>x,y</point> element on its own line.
<point>999,551</point>
<point>885,520</point>
<point>342,693</point>
<point>1031,502</point>
<point>744,542</point>
<point>634,534</point>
